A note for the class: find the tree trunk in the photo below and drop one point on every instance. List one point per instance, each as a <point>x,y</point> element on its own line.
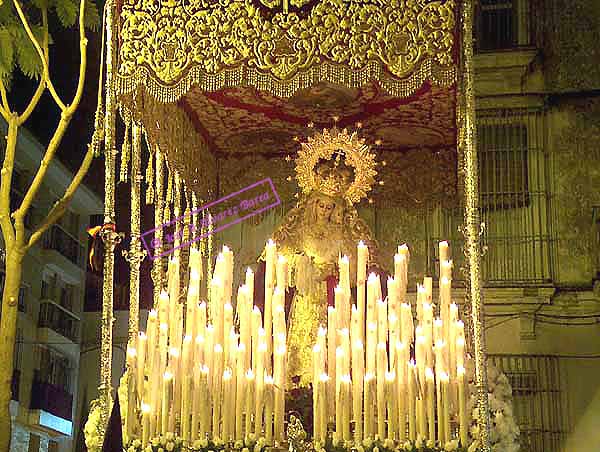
<point>8,329</point>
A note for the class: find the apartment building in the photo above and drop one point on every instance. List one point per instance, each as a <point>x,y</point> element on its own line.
<point>48,344</point>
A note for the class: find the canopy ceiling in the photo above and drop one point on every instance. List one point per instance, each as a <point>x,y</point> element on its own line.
<point>239,79</point>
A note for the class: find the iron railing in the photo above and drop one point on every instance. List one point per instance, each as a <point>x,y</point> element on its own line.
<point>503,25</point>
<point>515,181</point>
<point>59,320</point>
<point>57,239</point>
<point>538,400</point>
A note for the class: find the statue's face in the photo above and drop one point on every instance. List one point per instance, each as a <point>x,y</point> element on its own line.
<point>323,209</point>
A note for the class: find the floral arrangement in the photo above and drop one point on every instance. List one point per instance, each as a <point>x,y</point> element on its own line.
<point>504,431</point>
<point>172,443</point>
<point>369,445</point>
<point>92,430</point>
<point>123,402</point>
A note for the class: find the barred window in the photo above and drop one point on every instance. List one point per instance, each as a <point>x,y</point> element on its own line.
<point>514,198</point>
<point>502,24</point>
<point>538,399</point>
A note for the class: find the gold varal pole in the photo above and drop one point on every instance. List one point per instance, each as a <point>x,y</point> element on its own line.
<point>109,235</point>
<point>468,142</point>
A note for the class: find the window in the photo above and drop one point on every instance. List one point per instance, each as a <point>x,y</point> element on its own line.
<point>503,165</point>
<point>22,306</point>
<point>515,202</point>
<point>538,399</point>
<point>54,369</point>
<point>502,24</point>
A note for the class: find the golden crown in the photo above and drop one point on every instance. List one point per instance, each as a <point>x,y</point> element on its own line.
<point>337,163</point>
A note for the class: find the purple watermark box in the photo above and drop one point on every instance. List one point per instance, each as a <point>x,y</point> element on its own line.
<point>225,212</point>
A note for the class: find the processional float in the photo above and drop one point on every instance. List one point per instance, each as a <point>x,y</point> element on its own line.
<point>156,53</point>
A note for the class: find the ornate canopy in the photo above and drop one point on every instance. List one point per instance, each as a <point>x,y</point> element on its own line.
<point>242,78</point>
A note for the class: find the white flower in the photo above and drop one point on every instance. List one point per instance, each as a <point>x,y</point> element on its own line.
<point>407,445</point>
<point>137,443</point>
<point>257,447</point>
<point>160,449</point>
<point>388,443</point>
<point>359,448</point>
<point>238,444</point>
<point>430,443</point>
<point>367,442</point>
<point>204,442</point>
<point>148,448</point>
<point>261,442</point>
<point>336,441</point>
<point>170,436</point>
<point>451,445</point>
<point>131,449</point>
<point>245,449</point>
<point>376,449</point>
<point>170,446</point>
<point>155,441</point>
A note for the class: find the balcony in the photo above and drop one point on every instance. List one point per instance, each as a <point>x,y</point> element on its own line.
<point>59,320</point>
<point>59,240</point>
<point>51,398</point>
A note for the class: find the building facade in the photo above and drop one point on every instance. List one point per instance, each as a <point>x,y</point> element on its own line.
<point>48,344</point>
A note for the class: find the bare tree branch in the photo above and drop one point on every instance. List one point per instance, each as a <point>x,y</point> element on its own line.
<point>60,207</point>
<point>42,85</point>
<point>65,118</point>
<point>36,44</point>
<point>5,108</point>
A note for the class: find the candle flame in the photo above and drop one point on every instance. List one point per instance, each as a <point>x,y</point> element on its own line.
<point>249,271</point>
<point>131,351</point>
<point>187,338</point>
<point>445,281</point>
<point>145,408</point>
<point>444,377</point>
<point>195,276</point>
<point>269,380</point>
<point>164,296</point>
<point>152,315</point>
<point>460,341</point>
<point>218,348</point>
<point>403,249</point>
<point>339,352</point>
<point>204,369</point>
<point>369,376</point>
<point>437,322</point>
<point>390,376</point>
<point>249,375</point>
<point>174,352</point>
<point>227,374</point>
<point>262,347</point>
<point>167,375</point>
<point>345,379</point>
<point>460,370</point>
<point>163,327</point>
<point>330,310</point>
<point>317,348</point>
<point>321,332</point>
<point>428,373</point>
<point>361,244</point>
<point>241,347</point>
<point>372,279</point>
<point>324,377</point>
<point>142,336</point>
<point>199,339</point>
<point>344,259</point>
<point>358,344</point>
<point>400,345</point>
<point>399,258</point>
<point>281,259</point>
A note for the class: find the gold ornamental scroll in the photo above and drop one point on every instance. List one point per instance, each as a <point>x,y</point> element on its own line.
<point>169,46</point>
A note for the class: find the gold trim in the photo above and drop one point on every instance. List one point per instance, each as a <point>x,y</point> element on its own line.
<point>246,76</point>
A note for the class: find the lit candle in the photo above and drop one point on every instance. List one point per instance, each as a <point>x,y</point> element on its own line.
<point>269,409</point>
<point>446,404</point>
<point>368,406</point>
<point>444,251</point>
<point>401,360</point>
<point>392,404</point>
<point>446,269</point>
<point>204,401</point>
<point>462,410</point>
<point>141,362</point>
<point>430,401</point>
<point>270,269</point>
<point>345,384</point>
<point>240,391</point>
<point>282,272</point>
<point>228,405</point>
<point>279,377</point>
<point>331,368</point>
<point>227,327</point>
<point>381,384</point>
<point>382,327</point>
<point>186,407</point>
<point>358,364</point>
<point>361,276</point>
<point>339,415</point>
<point>412,392</point>
<point>152,331</point>
<point>192,303</point>
<point>145,424</point>
<point>250,386</point>
<point>217,393</point>
<point>260,389</point>
<point>166,399</point>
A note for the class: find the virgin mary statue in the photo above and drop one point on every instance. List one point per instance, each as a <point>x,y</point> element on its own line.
<point>334,170</point>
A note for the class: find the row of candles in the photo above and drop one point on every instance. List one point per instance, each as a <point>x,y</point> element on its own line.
<point>194,374</point>
<point>371,379</point>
